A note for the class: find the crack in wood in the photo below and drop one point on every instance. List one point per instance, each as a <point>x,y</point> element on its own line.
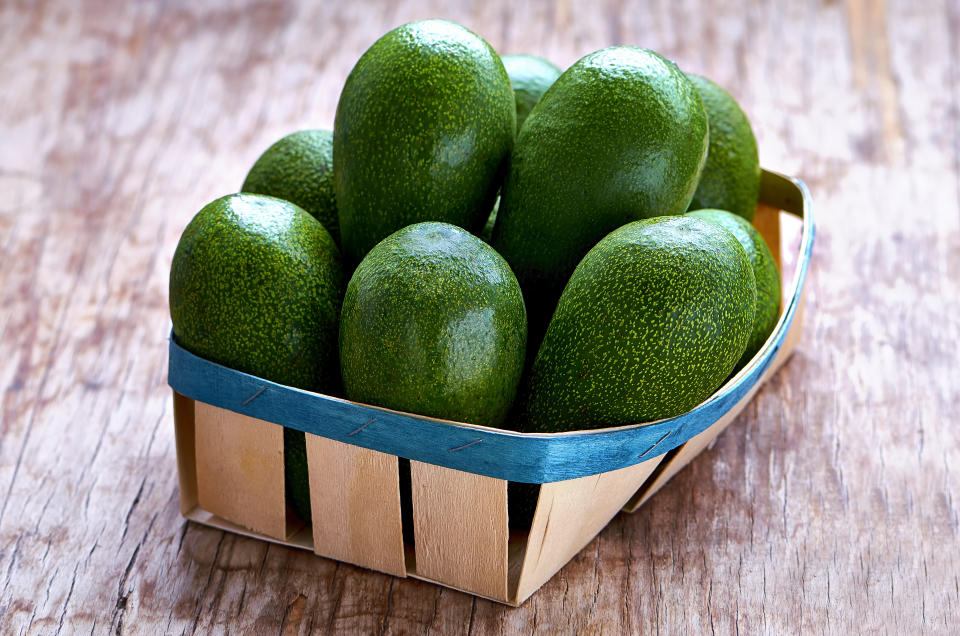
<point>338,596</point>
<point>13,561</point>
<point>66,602</point>
<point>183,533</point>
<point>206,585</point>
<point>386,610</point>
<point>133,506</point>
<point>473,613</point>
<point>121,603</point>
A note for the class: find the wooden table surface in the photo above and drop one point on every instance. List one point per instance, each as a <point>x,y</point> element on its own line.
<point>831,504</point>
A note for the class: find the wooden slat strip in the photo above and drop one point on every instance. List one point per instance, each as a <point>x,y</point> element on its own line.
<point>239,462</point>
<point>569,514</point>
<point>185,434</point>
<point>355,501</point>
<point>460,529</point>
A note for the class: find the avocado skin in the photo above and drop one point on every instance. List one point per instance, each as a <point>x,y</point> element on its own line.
<point>423,128</point>
<point>620,136</point>
<point>256,285</point>
<point>731,175</point>
<point>530,77</point>
<point>765,273</point>
<point>652,321</point>
<point>299,168</point>
<point>296,474</point>
<point>433,323</point>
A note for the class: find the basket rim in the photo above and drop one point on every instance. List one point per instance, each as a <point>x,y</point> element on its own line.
<point>484,450</point>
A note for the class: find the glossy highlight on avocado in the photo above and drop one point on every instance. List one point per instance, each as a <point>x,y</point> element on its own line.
<point>423,128</point>
<point>620,136</point>
<point>653,320</point>
<point>433,323</point>
<point>256,285</point>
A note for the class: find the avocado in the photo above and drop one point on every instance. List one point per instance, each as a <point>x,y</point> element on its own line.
<point>731,175</point>
<point>653,320</point>
<point>299,169</point>
<point>256,285</point>
<point>433,323</point>
<point>620,136</point>
<point>530,77</point>
<point>422,132</point>
<point>764,271</point>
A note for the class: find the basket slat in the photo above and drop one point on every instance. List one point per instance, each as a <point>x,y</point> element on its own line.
<point>766,219</point>
<point>569,514</point>
<point>239,468</point>
<point>355,501</point>
<point>460,529</point>
<point>185,432</point>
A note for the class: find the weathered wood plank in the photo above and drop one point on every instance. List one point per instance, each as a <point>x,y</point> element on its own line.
<point>829,505</point>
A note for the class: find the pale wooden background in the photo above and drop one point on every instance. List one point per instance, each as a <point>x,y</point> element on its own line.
<point>831,504</point>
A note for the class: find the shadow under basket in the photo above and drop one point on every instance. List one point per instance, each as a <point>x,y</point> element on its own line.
<point>229,432</point>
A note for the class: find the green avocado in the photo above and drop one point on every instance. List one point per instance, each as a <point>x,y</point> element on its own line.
<point>731,176</point>
<point>433,323</point>
<point>423,129</point>
<point>256,285</point>
<point>764,270</point>
<point>620,136</point>
<point>654,318</point>
<point>299,169</point>
<point>530,77</point>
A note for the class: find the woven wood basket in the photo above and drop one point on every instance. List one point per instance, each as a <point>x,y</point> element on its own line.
<point>230,459</point>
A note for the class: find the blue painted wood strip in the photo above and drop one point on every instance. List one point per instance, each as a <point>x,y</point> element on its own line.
<point>531,458</point>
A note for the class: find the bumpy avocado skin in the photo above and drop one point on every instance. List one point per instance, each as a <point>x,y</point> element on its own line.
<point>764,270</point>
<point>433,323</point>
<point>299,168</point>
<point>620,136</point>
<point>423,128</point>
<point>256,285</point>
<point>731,175</point>
<point>652,321</point>
<point>530,77</point>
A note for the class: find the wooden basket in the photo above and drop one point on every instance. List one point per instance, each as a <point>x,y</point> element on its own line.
<point>230,460</point>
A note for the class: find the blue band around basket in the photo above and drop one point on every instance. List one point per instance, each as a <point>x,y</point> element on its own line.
<point>530,457</point>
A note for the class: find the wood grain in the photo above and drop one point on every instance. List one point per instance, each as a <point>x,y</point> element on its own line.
<point>185,434</point>
<point>355,501</point>
<point>829,505</point>
<point>569,514</point>
<point>239,467</point>
<point>460,529</point>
